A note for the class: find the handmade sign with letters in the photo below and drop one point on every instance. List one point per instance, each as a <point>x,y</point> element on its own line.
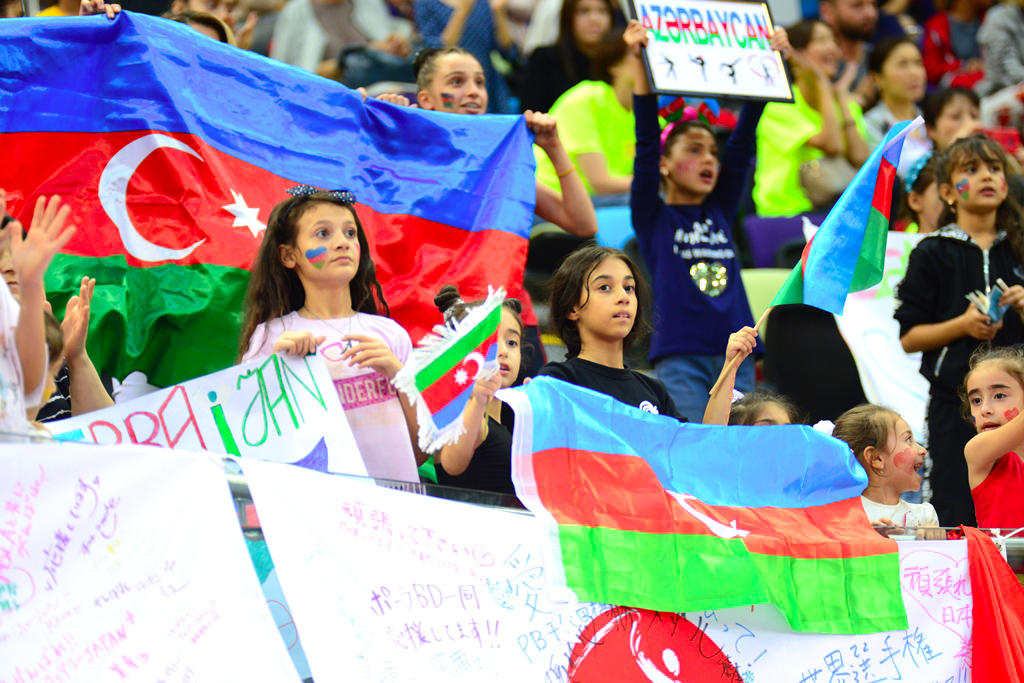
<point>712,48</point>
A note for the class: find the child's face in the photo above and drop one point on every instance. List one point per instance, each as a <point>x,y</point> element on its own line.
<point>458,86</point>
<point>591,21</point>
<point>691,163</point>
<point>509,347</point>
<point>771,413</point>
<point>608,304</point>
<point>326,244</point>
<point>958,112</point>
<point>994,396</point>
<point>976,186</point>
<point>928,207</point>
<point>903,458</point>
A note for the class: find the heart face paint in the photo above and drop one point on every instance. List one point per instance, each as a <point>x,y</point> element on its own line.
<point>448,100</point>
<point>963,187</point>
<point>1011,413</point>
<point>317,257</point>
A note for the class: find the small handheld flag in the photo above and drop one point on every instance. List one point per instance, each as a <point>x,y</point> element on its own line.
<point>439,377</point>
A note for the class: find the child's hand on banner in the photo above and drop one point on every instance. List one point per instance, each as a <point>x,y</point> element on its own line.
<point>298,343</point>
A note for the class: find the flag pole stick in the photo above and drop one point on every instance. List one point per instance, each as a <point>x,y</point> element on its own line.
<point>734,361</point>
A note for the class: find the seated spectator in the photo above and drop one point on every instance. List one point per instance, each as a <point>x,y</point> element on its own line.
<point>479,27</point>
<point>855,24</point>
<point>597,127</point>
<point>951,114</point>
<point>584,27</point>
<point>952,55</point>
<point>1002,46</point>
<point>823,123</point>
<point>205,23</point>
<point>896,67</point>
<point>312,34</point>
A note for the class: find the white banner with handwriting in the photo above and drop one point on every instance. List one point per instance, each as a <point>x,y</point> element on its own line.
<point>279,408</point>
<point>127,564</point>
<point>390,586</point>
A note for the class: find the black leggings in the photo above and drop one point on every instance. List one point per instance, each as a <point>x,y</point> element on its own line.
<point>948,433</point>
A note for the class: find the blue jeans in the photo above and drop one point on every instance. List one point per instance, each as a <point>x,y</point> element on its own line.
<point>690,378</point>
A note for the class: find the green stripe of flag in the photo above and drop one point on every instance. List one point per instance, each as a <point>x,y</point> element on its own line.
<point>871,259</point>
<point>459,350</point>
<point>692,572</point>
<point>171,322</point>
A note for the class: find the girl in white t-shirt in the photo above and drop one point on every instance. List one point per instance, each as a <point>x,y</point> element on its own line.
<point>314,289</point>
<point>885,447</point>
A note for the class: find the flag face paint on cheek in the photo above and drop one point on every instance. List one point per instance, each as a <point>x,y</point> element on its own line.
<point>1011,413</point>
<point>448,100</point>
<point>317,257</point>
<point>963,187</point>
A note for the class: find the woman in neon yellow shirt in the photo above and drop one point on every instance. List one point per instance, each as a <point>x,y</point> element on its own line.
<point>823,121</point>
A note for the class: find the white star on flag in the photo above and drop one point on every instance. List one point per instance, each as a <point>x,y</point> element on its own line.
<point>245,215</point>
<point>461,376</point>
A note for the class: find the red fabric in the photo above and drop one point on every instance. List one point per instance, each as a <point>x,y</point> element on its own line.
<point>595,489</point>
<point>999,500</point>
<point>998,613</point>
<point>940,62</point>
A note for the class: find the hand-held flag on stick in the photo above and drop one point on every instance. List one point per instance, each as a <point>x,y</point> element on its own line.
<point>847,253</point>
<point>439,376</point>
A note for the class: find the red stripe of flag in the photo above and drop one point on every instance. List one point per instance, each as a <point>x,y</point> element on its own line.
<point>622,492</point>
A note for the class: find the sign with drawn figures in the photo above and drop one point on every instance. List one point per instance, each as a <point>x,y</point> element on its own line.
<point>889,375</point>
<point>415,584</point>
<point>127,564</point>
<point>712,48</point>
<point>279,408</point>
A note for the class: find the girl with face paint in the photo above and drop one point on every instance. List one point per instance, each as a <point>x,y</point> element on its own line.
<point>980,243</point>
<point>885,447</point>
<point>313,289</point>
<point>993,394</point>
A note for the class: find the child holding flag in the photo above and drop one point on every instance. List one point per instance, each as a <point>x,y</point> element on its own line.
<point>980,247</point>
<point>994,395</point>
<point>482,457</point>
<point>686,239</point>
<point>314,289</point>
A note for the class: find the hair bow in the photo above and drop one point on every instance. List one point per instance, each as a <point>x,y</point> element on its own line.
<point>344,196</point>
<point>915,170</point>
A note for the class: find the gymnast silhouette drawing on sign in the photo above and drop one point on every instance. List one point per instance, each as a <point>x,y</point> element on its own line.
<point>671,73</point>
<point>731,70</point>
<point>699,61</point>
<point>766,74</point>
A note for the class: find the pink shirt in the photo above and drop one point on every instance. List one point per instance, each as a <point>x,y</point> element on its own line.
<point>370,401</point>
<point>999,499</point>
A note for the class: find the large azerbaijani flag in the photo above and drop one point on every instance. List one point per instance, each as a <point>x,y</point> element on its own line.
<point>647,512</point>
<point>173,148</point>
<point>847,254</point>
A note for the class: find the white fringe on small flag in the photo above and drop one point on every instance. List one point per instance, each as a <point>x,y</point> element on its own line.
<point>436,345</point>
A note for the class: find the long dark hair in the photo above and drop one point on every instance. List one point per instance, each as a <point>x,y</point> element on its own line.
<point>570,281</point>
<point>567,48</point>
<point>1009,216</point>
<point>275,290</point>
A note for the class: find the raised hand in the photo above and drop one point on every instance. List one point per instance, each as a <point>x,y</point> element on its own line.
<point>46,236</point>
<point>90,7</point>
<point>544,128</point>
<point>75,325</point>
<point>635,37</point>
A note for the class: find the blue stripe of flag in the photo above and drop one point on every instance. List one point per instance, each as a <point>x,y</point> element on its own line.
<point>90,74</point>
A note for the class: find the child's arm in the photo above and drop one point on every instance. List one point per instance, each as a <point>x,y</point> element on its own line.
<point>572,211</point>
<point>455,458</point>
<point>372,352</point>
<point>87,390</point>
<point>741,343</point>
<point>644,201</point>
<point>984,449</point>
<point>31,257</point>
<point>970,323</point>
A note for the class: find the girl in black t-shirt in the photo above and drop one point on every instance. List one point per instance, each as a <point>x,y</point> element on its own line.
<point>599,306</point>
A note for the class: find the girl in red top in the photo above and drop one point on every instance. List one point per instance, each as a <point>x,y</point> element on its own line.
<point>994,393</point>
